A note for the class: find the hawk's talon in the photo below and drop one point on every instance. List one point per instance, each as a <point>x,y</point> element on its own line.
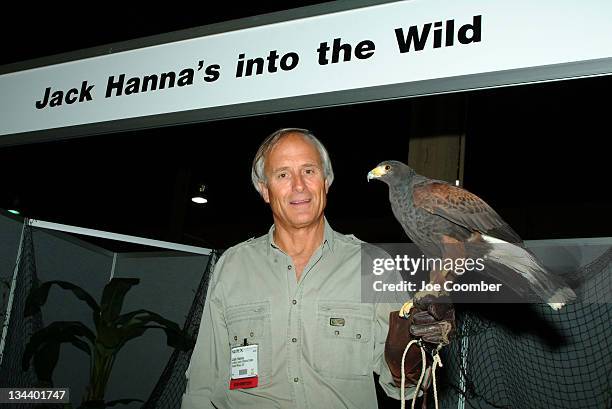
<point>404,312</point>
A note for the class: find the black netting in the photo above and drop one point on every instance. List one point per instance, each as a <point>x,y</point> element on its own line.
<point>169,390</point>
<point>529,356</point>
<point>19,329</point>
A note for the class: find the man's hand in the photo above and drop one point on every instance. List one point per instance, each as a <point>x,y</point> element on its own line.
<point>430,321</point>
<point>433,318</point>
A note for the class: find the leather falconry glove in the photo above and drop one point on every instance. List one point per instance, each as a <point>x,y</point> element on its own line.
<point>430,319</point>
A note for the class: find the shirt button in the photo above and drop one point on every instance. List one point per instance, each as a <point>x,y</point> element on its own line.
<point>294,302</point>
<point>293,339</point>
<point>288,267</point>
<point>295,379</point>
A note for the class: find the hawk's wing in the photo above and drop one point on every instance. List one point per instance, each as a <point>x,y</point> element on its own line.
<point>463,208</point>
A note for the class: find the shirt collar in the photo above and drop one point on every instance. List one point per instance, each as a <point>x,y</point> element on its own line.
<point>328,237</point>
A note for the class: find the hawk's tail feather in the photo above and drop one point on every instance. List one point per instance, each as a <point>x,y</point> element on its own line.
<point>549,287</point>
<point>561,297</point>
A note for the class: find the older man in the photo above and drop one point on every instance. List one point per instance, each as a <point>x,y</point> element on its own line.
<point>284,325</point>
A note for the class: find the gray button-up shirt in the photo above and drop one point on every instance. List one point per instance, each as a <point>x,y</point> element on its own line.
<point>318,343</point>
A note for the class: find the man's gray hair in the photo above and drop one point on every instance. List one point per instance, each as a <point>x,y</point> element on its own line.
<point>257,170</point>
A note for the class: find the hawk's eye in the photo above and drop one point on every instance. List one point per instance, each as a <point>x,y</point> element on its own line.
<point>387,167</point>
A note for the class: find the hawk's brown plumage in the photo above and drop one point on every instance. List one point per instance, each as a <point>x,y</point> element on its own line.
<point>462,207</point>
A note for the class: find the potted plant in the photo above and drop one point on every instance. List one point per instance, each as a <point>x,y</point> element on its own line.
<point>112,331</point>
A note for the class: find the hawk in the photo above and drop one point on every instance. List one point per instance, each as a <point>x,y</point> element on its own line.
<point>446,221</point>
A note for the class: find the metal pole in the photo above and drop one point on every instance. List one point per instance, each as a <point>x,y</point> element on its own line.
<point>113,267</point>
<point>9,305</point>
<point>119,237</point>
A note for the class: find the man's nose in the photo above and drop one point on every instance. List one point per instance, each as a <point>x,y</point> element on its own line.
<point>298,183</point>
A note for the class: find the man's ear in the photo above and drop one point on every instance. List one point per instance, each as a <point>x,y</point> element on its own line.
<point>326,186</point>
<point>264,192</point>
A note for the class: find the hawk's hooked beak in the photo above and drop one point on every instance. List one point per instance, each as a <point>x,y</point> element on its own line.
<point>376,172</point>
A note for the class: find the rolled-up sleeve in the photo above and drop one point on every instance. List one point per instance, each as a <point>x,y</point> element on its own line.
<point>209,365</point>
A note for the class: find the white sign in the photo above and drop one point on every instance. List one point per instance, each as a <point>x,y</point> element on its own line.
<point>386,44</point>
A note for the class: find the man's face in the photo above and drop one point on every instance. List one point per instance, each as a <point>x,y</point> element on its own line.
<point>296,188</point>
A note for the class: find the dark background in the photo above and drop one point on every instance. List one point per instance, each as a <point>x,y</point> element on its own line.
<point>539,154</point>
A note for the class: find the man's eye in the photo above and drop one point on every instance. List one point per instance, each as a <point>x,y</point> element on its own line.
<point>282,175</point>
<point>309,171</point>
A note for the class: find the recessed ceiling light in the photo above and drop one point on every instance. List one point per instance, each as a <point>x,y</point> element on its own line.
<point>198,196</point>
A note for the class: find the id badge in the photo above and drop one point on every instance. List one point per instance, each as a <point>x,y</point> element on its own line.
<point>243,367</point>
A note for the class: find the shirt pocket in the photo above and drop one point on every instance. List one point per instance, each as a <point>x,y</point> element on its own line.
<point>345,335</point>
<point>253,323</point>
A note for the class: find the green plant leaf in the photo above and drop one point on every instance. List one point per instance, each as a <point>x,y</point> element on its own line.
<point>38,297</point>
<point>113,296</point>
<point>135,323</point>
<point>45,361</point>
<point>44,345</point>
